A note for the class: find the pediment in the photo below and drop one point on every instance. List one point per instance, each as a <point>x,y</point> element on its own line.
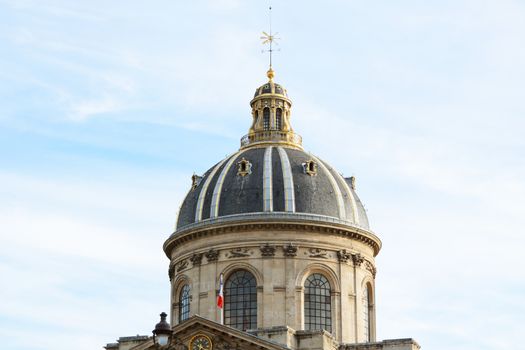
<point>222,337</point>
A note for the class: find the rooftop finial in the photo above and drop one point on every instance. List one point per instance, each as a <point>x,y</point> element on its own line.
<point>270,38</point>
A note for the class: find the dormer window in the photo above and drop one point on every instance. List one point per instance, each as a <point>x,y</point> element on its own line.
<point>244,167</point>
<point>310,168</point>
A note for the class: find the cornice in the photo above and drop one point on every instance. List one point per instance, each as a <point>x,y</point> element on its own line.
<point>193,232</point>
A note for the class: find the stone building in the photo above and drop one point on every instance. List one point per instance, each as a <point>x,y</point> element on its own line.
<point>291,239</point>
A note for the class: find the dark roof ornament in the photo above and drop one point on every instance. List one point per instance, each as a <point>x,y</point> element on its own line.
<point>162,331</point>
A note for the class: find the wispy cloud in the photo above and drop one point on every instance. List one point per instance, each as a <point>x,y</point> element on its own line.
<point>421,102</point>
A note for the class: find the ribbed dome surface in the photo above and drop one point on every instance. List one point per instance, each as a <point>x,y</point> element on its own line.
<point>270,88</point>
<point>272,180</point>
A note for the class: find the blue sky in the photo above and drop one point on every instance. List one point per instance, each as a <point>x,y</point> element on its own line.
<point>107,109</point>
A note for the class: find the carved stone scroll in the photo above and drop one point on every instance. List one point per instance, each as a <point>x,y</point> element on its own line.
<point>267,250</point>
<point>212,255</point>
<point>343,256</point>
<point>370,267</point>
<point>290,250</point>
<point>357,259</point>
<point>239,253</point>
<point>196,259</point>
<point>318,253</point>
<point>182,265</point>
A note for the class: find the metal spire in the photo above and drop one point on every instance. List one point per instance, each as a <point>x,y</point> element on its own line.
<point>270,38</point>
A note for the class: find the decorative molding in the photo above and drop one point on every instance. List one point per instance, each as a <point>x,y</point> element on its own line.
<point>357,259</point>
<point>267,250</point>
<point>239,253</point>
<point>318,253</point>
<point>182,265</point>
<point>344,256</point>
<point>196,259</point>
<point>205,231</point>
<point>212,255</point>
<point>290,250</point>
<point>370,267</point>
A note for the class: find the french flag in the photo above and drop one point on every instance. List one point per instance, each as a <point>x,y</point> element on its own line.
<point>220,297</point>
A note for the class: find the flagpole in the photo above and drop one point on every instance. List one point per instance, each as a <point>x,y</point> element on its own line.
<point>220,299</point>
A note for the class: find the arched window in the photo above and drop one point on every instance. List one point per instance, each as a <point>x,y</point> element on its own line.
<point>279,119</point>
<point>367,308</point>
<point>266,118</point>
<point>317,303</point>
<point>240,300</point>
<point>184,303</point>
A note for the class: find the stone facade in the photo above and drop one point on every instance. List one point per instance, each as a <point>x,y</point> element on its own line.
<point>280,276</point>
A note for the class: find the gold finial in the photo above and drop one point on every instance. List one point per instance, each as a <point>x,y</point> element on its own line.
<point>270,74</point>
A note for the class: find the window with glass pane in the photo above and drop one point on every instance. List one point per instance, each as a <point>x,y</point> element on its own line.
<point>240,300</point>
<point>184,303</point>
<point>266,118</point>
<point>279,119</point>
<point>317,303</point>
<point>366,313</point>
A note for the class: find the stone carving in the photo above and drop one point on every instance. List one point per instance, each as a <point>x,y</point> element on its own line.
<point>195,181</point>
<point>357,259</point>
<point>290,250</point>
<point>343,256</point>
<point>267,250</point>
<point>171,270</point>
<point>370,267</point>
<point>221,344</point>
<point>239,253</point>
<point>182,265</point>
<point>196,259</point>
<point>318,253</point>
<point>212,255</point>
<point>178,345</point>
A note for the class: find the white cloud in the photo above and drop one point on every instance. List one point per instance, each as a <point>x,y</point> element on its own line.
<point>425,109</point>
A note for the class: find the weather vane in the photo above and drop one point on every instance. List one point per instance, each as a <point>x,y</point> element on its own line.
<point>270,38</point>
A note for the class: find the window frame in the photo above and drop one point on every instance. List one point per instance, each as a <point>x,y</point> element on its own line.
<point>240,300</point>
<point>317,303</point>
<point>184,302</point>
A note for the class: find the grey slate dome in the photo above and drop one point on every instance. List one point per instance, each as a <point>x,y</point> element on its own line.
<point>272,181</point>
<point>271,177</point>
<point>270,88</point>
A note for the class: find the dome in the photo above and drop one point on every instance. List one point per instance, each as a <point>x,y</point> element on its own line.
<point>272,182</point>
<point>271,177</point>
